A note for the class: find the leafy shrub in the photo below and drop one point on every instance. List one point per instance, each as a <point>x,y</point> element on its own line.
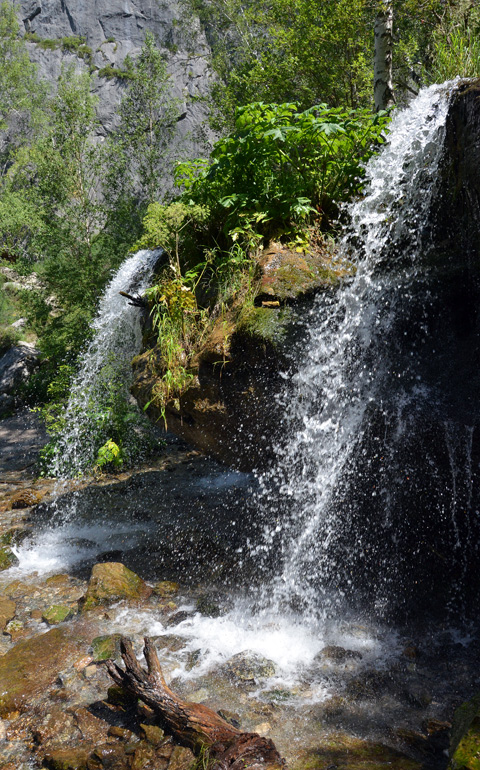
<point>109,454</point>
<point>110,72</point>
<point>283,167</point>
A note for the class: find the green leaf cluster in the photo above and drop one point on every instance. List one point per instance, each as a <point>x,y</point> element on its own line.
<point>283,167</point>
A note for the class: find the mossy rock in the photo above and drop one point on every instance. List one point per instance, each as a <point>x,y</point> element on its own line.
<point>7,558</point>
<point>288,274</point>
<point>345,752</point>
<point>106,647</point>
<point>465,740</point>
<point>268,324</point>
<point>57,613</point>
<point>467,753</point>
<point>112,581</point>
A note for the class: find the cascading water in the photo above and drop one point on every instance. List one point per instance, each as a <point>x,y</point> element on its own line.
<point>348,369</point>
<point>101,387</point>
<point>106,371</point>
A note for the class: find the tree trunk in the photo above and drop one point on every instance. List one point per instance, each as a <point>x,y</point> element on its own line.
<point>193,724</point>
<point>382,75</point>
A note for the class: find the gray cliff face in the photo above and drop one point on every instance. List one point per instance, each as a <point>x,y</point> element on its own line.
<point>115,28</point>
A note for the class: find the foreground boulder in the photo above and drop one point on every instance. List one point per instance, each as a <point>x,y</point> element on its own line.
<point>110,582</point>
<point>32,665</point>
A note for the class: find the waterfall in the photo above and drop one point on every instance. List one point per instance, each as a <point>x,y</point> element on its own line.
<point>348,368</point>
<point>105,375</point>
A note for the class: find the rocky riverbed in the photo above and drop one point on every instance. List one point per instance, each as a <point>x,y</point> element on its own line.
<point>163,551</point>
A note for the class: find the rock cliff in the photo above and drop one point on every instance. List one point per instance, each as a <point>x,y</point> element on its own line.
<point>113,30</point>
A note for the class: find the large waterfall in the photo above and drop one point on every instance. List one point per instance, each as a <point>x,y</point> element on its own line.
<point>349,371</point>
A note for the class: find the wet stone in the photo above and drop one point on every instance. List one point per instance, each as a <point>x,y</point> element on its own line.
<point>7,612</point>
<point>248,666</point>
<point>7,558</point>
<point>153,734</point>
<point>166,588</point>
<point>181,759</point>
<point>112,581</point>
<point>119,732</point>
<point>337,654</point>
<point>32,665</point>
<point>208,607</point>
<point>66,759</point>
<point>106,647</point>
<point>16,629</point>
<point>25,499</point>
<point>57,613</point>
<point>107,755</point>
<point>178,617</point>
<point>169,642</point>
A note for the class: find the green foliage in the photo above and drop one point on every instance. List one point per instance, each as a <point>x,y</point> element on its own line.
<point>282,167</point>
<point>21,95</point>
<point>310,50</point>
<point>110,72</point>
<point>179,325</point>
<point>456,44</point>
<point>168,226</point>
<point>147,120</point>
<point>109,454</point>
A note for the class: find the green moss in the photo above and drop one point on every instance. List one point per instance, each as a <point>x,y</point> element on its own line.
<point>105,647</point>
<point>467,753</point>
<point>57,613</point>
<point>7,558</point>
<point>110,72</point>
<point>465,741</point>
<point>268,324</point>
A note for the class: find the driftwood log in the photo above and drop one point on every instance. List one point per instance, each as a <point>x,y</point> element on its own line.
<point>192,724</point>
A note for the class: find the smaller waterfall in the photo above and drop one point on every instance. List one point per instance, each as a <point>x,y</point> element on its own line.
<point>105,375</point>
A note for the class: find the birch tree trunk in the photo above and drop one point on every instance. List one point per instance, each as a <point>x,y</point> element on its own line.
<point>382,73</point>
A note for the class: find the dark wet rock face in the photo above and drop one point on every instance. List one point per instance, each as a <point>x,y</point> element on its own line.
<point>407,506</point>
<point>16,366</point>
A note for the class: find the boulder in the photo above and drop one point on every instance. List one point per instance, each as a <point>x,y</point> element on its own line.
<point>7,612</point>
<point>32,665</point>
<point>16,366</point>
<point>112,581</point>
<point>7,558</point>
<point>249,666</point>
